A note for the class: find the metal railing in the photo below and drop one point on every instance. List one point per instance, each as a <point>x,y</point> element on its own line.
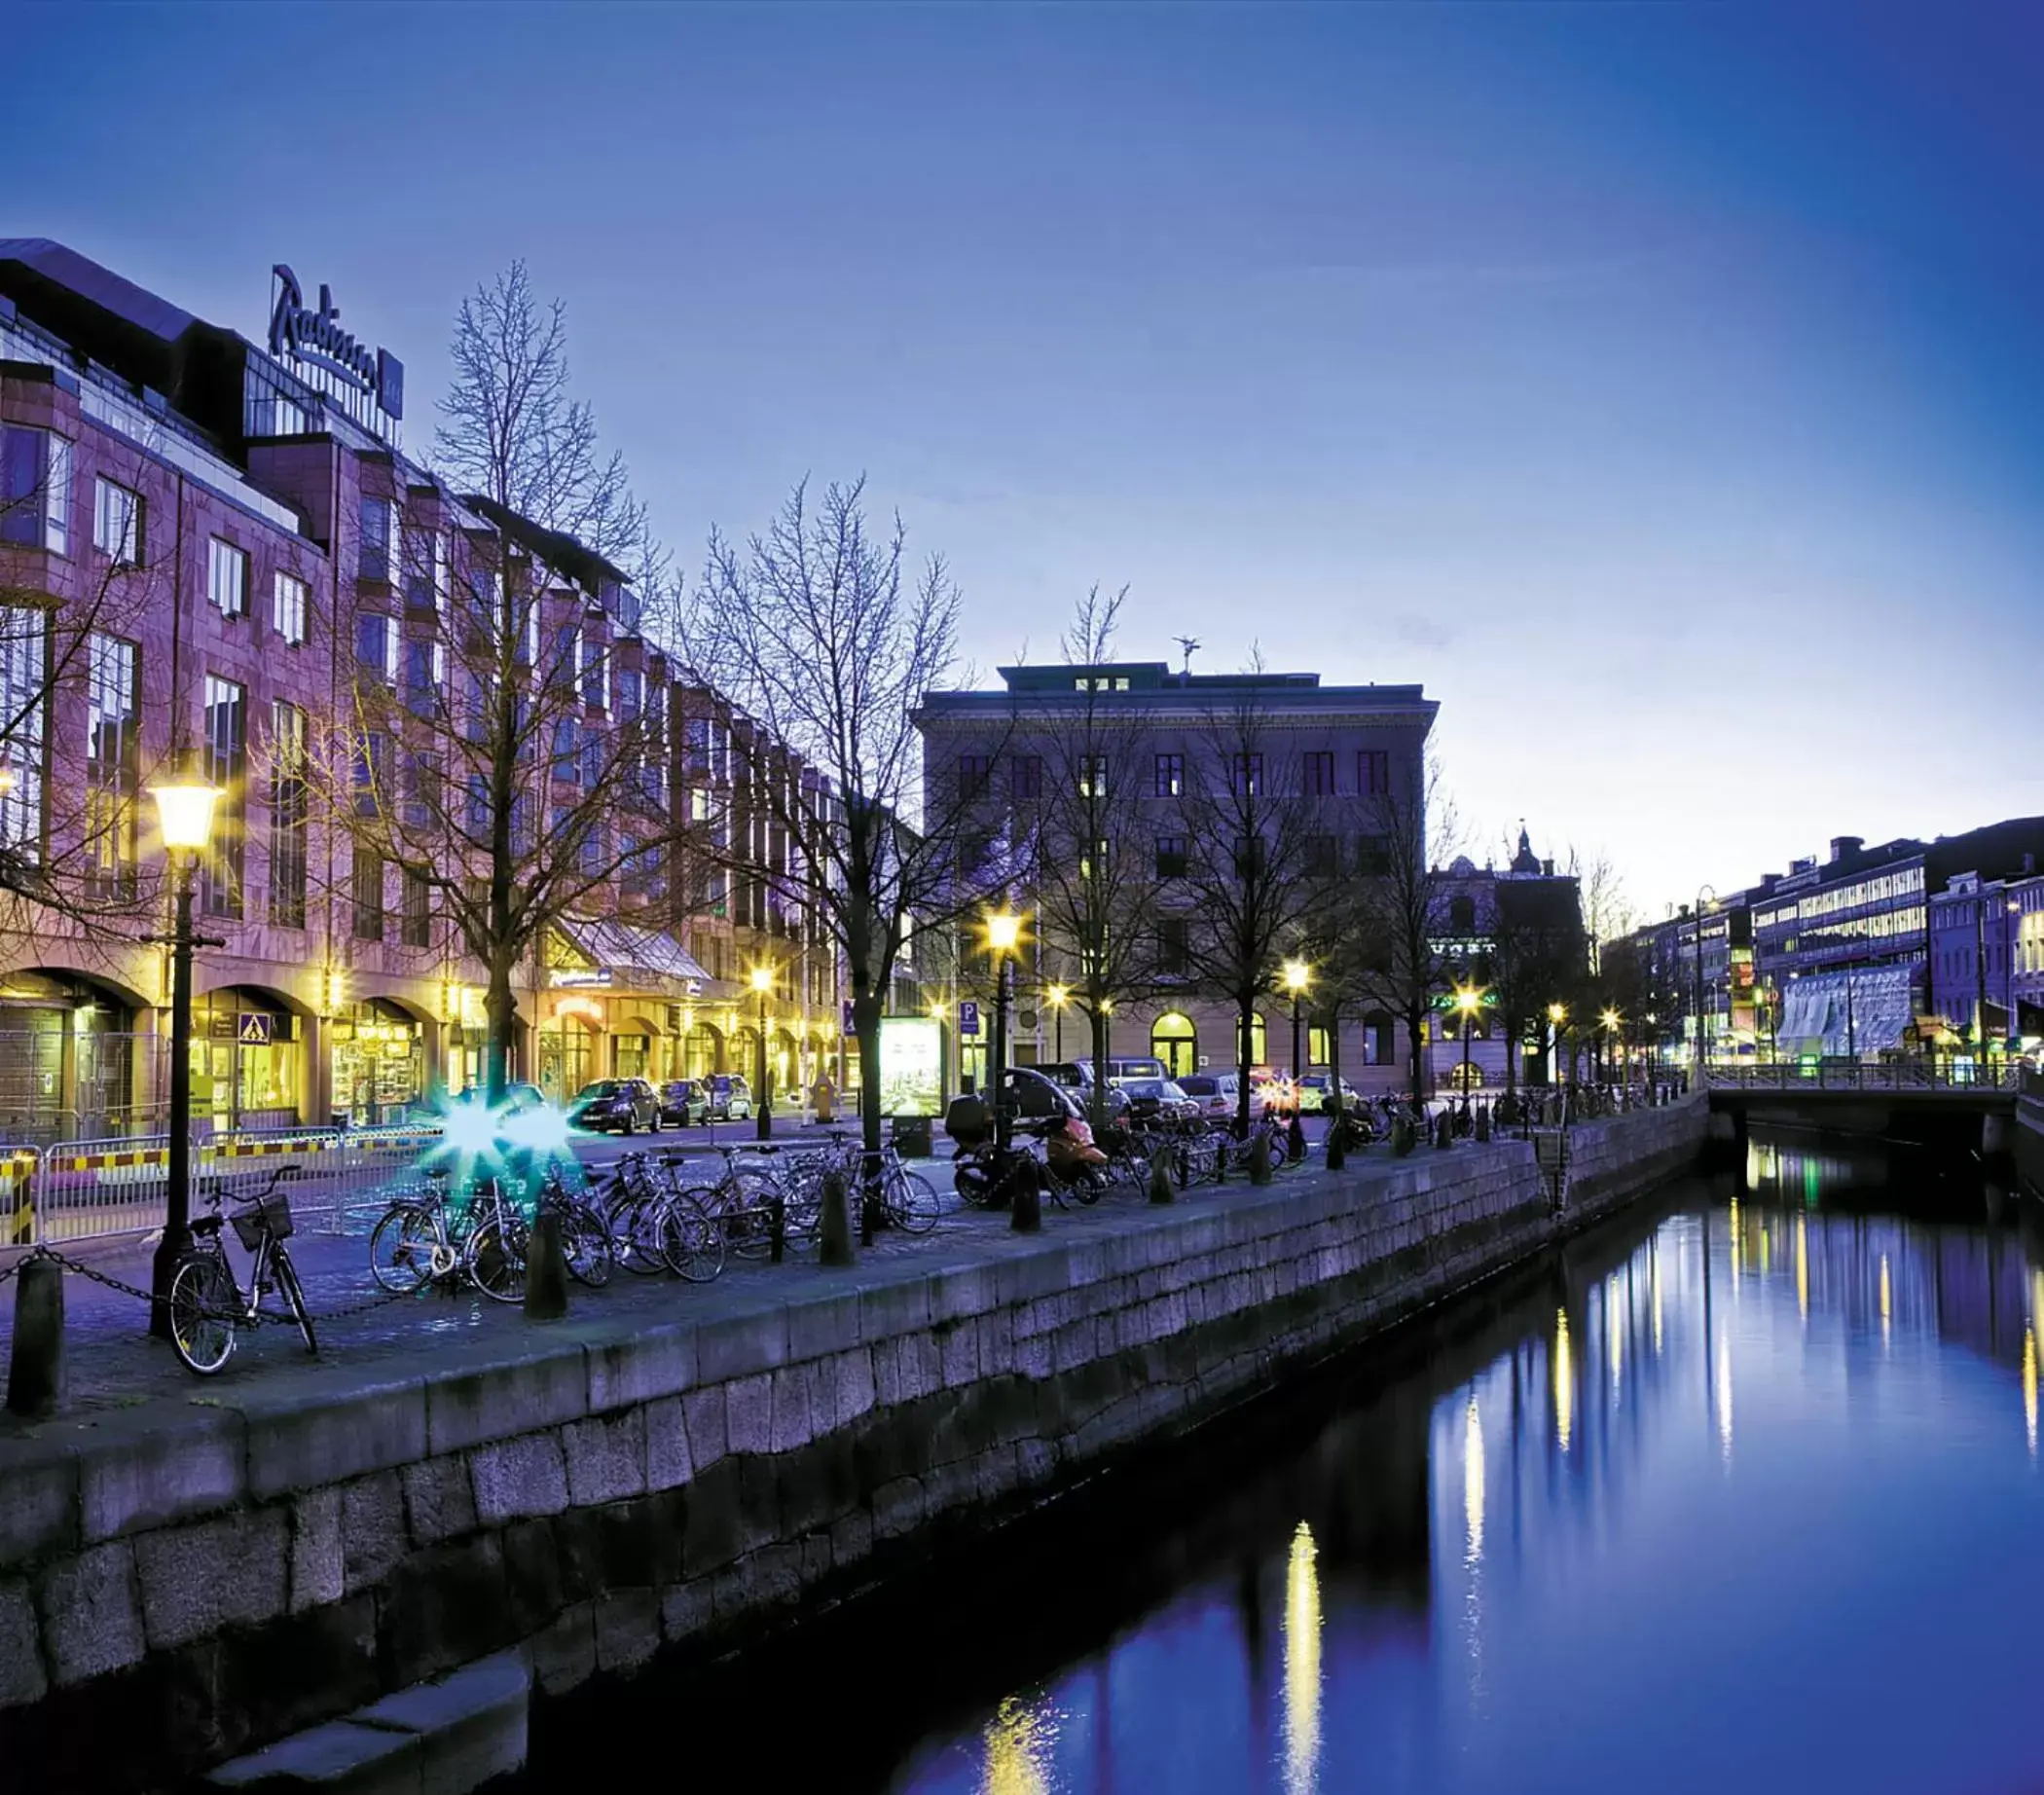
<point>89,1190</point>
<point>1851,1076</point>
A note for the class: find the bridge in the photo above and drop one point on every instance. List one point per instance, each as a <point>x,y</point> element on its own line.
<point>1923,1099</point>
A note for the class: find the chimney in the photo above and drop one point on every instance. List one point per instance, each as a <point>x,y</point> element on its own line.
<point>1842,845</point>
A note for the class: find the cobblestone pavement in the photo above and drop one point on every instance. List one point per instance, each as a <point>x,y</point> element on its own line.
<point>111,1362</point>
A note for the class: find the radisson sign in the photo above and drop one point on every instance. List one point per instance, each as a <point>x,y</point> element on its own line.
<point>301,334</point>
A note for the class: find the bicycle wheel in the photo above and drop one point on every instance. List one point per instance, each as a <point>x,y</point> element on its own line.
<point>496,1260</point>
<point>204,1301</point>
<point>585,1239</point>
<point>634,1232</point>
<point>912,1203</point>
<point>294,1292</point>
<point>401,1249</point>
<point>691,1240</point>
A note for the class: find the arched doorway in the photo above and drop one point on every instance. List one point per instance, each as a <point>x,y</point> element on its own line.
<point>377,1063</point>
<point>1259,1049</point>
<point>632,1048</point>
<point>567,1051</point>
<point>1174,1041</point>
<point>701,1051</point>
<point>782,1061</point>
<point>70,1056</point>
<point>248,1059</point>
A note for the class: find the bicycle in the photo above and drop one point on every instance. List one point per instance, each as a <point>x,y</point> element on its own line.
<point>425,1238</point>
<point>207,1303</point>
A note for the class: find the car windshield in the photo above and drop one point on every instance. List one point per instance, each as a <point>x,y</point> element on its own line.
<point>1198,1087</point>
<point>1170,1092</point>
<point>602,1087</point>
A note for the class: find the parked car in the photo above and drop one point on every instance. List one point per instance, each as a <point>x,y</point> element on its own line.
<point>625,1105</point>
<point>1120,1070</point>
<point>684,1102</point>
<point>1034,1096</point>
<point>1158,1100</point>
<point>730,1097</point>
<point>1313,1091</point>
<point>1217,1093</point>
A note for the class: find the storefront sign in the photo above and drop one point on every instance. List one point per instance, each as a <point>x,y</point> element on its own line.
<point>255,1029</point>
<point>911,1066</point>
<point>567,977</point>
<point>298,333</point>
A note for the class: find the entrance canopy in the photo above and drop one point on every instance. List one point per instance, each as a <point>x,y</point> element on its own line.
<point>605,954</point>
<point>1866,1010</point>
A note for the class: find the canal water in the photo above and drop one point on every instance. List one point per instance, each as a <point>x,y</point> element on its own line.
<point>1742,1492</point>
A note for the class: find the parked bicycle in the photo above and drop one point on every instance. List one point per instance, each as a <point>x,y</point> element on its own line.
<point>208,1305</point>
<point>429,1235</point>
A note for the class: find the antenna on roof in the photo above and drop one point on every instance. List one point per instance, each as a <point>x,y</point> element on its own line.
<point>1187,643</point>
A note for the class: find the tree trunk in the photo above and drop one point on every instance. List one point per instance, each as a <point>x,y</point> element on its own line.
<point>1097,1096</point>
<point>866,1009</point>
<point>1245,1038</point>
<point>1415,1031</point>
<point>500,1012</point>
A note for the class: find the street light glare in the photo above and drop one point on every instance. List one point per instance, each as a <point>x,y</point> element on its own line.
<point>1557,1011</point>
<point>1468,1000</point>
<point>184,808</point>
<point>1057,997</point>
<point>1004,930</point>
<point>1298,975</point>
<point>761,979</point>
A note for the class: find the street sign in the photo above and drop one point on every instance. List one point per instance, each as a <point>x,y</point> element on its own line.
<point>850,1028</point>
<point>969,1017</point>
<point>255,1029</point>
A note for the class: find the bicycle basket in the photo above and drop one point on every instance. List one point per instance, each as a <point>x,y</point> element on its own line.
<point>269,1214</point>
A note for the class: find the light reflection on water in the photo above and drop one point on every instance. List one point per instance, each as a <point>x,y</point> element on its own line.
<point>1538,1563</point>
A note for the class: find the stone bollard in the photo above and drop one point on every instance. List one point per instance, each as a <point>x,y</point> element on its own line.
<point>1026,1196</point>
<point>1337,1149</point>
<point>1483,1121</point>
<point>1259,1159</point>
<point>1296,1139</point>
<point>1400,1137</point>
<point>1160,1191</point>
<point>35,1376</point>
<point>834,1243</point>
<point>546,1270</point>
<point>1443,1130</point>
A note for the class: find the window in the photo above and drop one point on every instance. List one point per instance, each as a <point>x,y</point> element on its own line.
<point>1462,915</point>
<point>566,752</point>
<point>226,577</point>
<point>1093,777</point>
<point>1246,776</point>
<point>631,687</point>
<point>227,766</point>
<point>425,674</point>
<point>1249,856</point>
<point>287,608</point>
<point>376,647</point>
<point>596,675</point>
<point>443,572</point>
<point>1170,775</point>
<point>35,489</point>
<point>1373,856</point>
<point>414,928</point>
<point>1374,772</point>
<point>372,761</point>
<point>974,773</point>
<point>1171,856</point>
<point>421,790</point>
<point>288,811</point>
<point>113,766</point>
<point>368,882</point>
<point>1026,776</point>
<point>593,849</point>
<point>1323,856</point>
<point>382,543</point>
<point>1174,945</point>
<point>117,521</point>
<point>1317,771</point>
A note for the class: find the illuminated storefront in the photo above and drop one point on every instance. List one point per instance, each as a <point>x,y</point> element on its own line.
<point>247,1059</point>
<point>378,1062</point>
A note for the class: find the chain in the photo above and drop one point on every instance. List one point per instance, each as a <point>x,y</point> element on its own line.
<point>346,1313</point>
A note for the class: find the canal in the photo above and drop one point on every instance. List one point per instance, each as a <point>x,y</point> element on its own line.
<point>1740,1491</point>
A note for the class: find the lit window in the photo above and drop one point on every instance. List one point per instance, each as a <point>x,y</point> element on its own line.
<point>227,578</point>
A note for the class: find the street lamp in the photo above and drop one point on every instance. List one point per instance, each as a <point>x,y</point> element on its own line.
<point>1003,931</point>
<point>761,979</point>
<point>1467,1001</point>
<point>1557,1013</point>
<point>184,807</point>
<point>1057,997</point>
<point>1609,1019</point>
<point>1703,892</point>
<point>1297,975</point>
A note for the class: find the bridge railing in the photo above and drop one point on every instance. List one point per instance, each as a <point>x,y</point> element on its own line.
<point>1850,1075</point>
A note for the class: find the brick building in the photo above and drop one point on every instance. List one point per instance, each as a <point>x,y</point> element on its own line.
<point>210,543</point>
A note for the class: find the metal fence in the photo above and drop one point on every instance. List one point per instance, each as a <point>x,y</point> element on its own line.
<point>87,1190</point>
<point>1902,1075</point>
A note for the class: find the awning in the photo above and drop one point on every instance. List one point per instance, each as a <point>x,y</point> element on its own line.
<point>626,956</point>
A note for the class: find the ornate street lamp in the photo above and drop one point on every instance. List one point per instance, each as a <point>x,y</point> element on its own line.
<point>1298,977</point>
<point>1467,1001</point>
<point>1058,997</point>
<point>1557,1015</point>
<point>1610,1019</point>
<point>761,979</point>
<point>1003,934</point>
<point>184,805</point>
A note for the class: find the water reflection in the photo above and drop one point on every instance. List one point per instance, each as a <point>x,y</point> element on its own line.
<point>1017,1744</point>
<point>1564,1381</point>
<point>1301,1665</point>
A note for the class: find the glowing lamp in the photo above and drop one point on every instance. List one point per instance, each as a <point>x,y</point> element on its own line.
<point>1610,1019</point>
<point>1003,931</point>
<point>1297,975</point>
<point>761,979</point>
<point>1057,997</point>
<point>1556,1013</point>
<point>1469,1000</point>
<point>184,808</point>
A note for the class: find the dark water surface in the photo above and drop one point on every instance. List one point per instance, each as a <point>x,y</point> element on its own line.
<point>1743,1494</point>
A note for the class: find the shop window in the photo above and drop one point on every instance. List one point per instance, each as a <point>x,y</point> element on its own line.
<point>113,765</point>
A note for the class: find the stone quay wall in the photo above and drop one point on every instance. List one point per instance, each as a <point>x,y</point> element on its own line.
<point>187,1582</point>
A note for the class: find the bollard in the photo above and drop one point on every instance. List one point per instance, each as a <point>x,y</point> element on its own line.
<point>546,1270</point>
<point>1160,1191</point>
<point>1025,1199</point>
<point>1484,1122</point>
<point>1443,1130</point>
<point>1296,1139</point>
<point>35,1376</point>
<point>777,1227</point>
<point>834,1245</point>
<point>868,1209</point>
<point>1337,1149</point>
<point>1260,1159</point>
<point>1400,1137</point>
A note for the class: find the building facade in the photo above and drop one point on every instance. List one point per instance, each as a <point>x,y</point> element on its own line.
<point>1324,762</point>
<point>215,545</point>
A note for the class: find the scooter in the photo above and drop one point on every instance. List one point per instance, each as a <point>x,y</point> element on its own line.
<point>1071,1160</point>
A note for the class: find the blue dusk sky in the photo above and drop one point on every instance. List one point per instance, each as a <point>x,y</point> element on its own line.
<point>1662,385</point>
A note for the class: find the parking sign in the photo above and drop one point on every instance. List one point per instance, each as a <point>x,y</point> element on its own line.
<point>969,1017</point>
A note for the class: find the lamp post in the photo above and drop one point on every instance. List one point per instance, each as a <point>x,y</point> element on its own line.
<point>761,979</point>
<point>1557,1013</point>
<point>1703,892</point>
<point>1298,977</point>
<point>1468,1000</point>
<point>1004,930</point>
<point>1057,997</point>
<point>1609,1019</point>
<point>184,806</point>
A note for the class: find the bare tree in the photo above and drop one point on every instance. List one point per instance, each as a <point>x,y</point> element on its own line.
<point>1098,862</point>
<point>819,631</point>
<point>1251,840</point>
<point>1397,919</point>
<point>513,769</point>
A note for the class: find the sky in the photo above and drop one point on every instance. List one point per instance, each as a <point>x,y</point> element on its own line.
<point>1661,386</point>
